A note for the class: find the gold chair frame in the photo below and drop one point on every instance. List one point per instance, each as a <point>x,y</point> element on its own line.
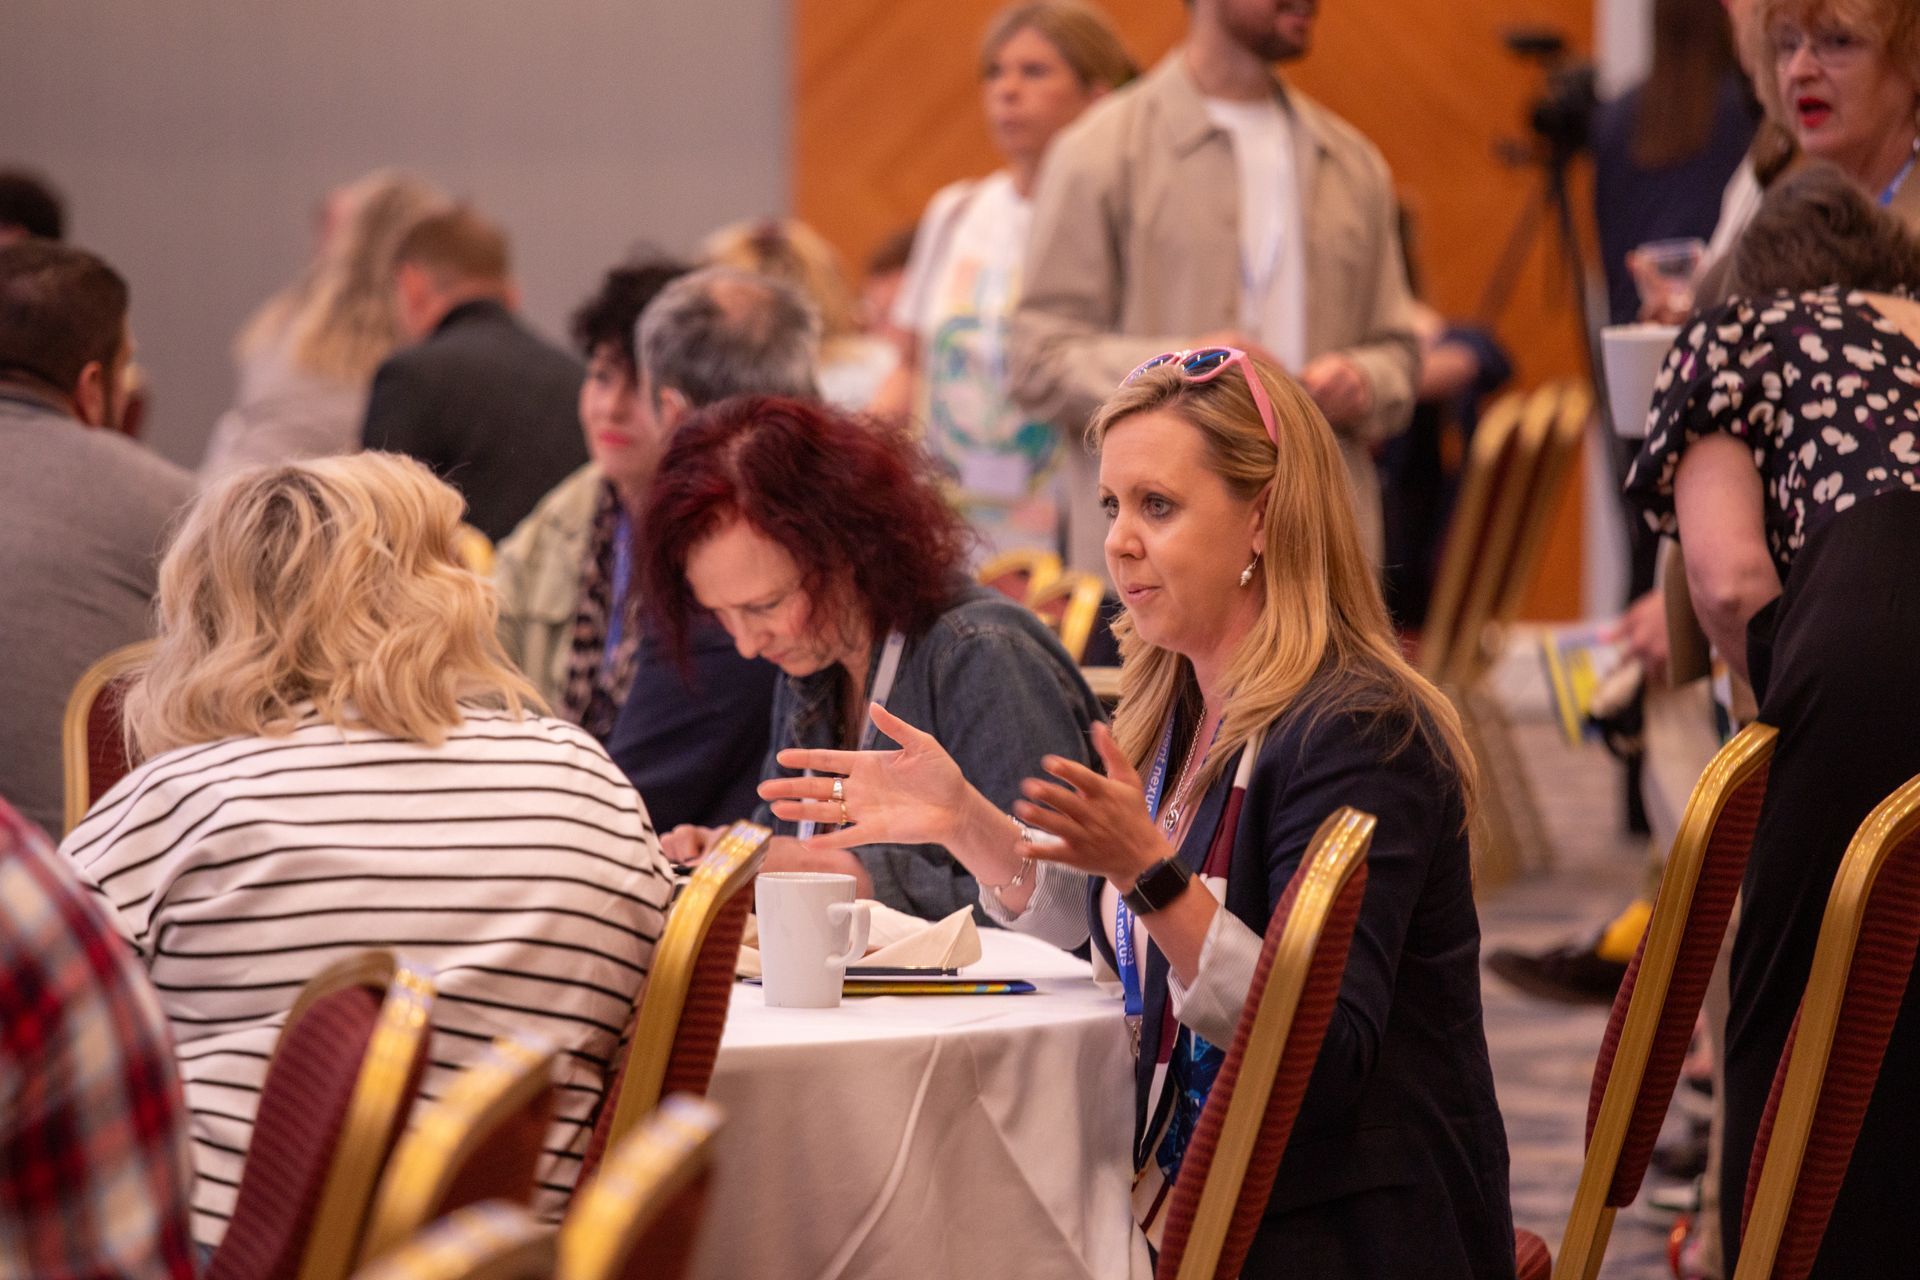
<point>74,757</point>
<point>492,1240</point>
<point>1590,1222</point>
<point>380,1095</point>
<point>728,868</point>
<point>637,1182</point>
<point>1337,848</point>
<point>1083,592</point>
<point>1892,822</point>
<point>1042,568</point>
<point>513,1075</point>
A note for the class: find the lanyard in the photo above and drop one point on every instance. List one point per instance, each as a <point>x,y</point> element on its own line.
<point>1124,958</point>
<point>617,589</point>
<point>1900,178</point>
<point>882,688</point>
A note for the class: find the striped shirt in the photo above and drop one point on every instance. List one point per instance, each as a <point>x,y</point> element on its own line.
<point>514,859</point>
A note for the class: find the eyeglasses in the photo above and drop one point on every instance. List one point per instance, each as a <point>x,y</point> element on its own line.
<point>1830,47</point>
<point>1208,363</point>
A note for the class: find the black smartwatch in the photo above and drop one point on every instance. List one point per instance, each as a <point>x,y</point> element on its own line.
<point>1157,886</point>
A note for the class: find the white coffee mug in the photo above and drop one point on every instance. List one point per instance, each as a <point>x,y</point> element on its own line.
<point>803,914</point>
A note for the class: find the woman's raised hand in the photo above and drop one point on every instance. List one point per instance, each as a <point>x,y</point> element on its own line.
<point>915,795</point>
<point>1102,823</point>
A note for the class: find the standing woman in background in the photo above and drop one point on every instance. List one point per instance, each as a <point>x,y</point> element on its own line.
<point>1041,65</point>
<point>306,358</point>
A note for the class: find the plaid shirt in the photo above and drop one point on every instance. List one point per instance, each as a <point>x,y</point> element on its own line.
<point>94,1170</point>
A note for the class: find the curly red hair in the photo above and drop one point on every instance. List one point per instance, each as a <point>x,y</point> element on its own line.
<point>854,501</point>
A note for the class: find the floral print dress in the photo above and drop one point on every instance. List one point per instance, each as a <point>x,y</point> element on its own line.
<point>1824,388</point>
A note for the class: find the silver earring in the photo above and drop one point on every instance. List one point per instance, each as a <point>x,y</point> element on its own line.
<point>1246,574</point>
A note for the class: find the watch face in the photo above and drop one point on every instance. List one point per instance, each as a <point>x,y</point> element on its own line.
<point>1160,885</point>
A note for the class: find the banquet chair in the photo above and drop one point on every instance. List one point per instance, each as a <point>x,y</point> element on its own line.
<point>1827,1073</point>
<point>1070,605</point>
<point>482,1141</point>
<point>493,1240</point>
<point>1227,1173</point>
<point>639,1217</point>
<point>475,549</point>
<point>1018,575</point>
<point>342,1078</point>
<point>1659,999</point>
<point>93,747</point>
<point>1517,469</point>
<point>682,1008</point>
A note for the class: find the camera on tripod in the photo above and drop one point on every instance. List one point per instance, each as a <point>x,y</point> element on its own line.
<point>1561,118</point>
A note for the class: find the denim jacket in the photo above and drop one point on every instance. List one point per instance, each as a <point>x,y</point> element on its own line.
<point>991,683</point>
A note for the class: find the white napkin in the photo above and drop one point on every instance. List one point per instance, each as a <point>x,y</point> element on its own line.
<point>896,939</point>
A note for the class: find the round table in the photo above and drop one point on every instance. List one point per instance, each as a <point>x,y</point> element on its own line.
<point>929,1136</point>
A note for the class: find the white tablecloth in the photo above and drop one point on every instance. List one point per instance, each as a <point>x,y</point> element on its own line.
<point>963,1136</point>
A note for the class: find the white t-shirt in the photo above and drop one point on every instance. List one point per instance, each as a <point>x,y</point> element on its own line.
<point>1273,276</point>
<point>956,298</point>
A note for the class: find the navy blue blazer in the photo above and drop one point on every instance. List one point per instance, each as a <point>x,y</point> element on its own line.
<point>1397,1164</point>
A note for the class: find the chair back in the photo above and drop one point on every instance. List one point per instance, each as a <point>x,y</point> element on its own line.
<point>1831,1063</point>
<point>1070,606</point>
<point>341,1080</point>
<point>1659,999</point>
<point>1019,574</point>
<point>475,549</point>
<point>683,1006</point>
<point>493,1240</point>
<point>639,1217</point>
<point>93,744</point>
<point>1516,469</point>
<point>1227,1173</point>
<point>482,1141</point>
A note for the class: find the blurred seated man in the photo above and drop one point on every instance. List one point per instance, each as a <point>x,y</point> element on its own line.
<point>93,1136</point>
<point>480,398</point>
<point>692,735</point>
<point>82,510</point>
<point>566,616</point>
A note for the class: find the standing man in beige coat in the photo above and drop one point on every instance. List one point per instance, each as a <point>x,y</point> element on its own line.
<point>1208,204</point>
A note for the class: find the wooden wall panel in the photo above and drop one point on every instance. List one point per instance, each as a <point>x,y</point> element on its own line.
<point>887,111</point>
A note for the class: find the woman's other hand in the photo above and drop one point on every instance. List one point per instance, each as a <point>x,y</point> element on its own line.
<point>1102,822</point>
<point>686,844</point>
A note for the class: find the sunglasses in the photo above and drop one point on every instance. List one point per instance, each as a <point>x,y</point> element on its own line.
<point>1208,363</point>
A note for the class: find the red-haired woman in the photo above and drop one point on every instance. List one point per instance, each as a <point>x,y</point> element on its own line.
<point>823,544</point>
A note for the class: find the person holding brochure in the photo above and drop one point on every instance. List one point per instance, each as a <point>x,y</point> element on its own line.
<point>1261,689</point>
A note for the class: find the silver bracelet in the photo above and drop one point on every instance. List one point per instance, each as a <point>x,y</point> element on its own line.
<point>1023,837</point>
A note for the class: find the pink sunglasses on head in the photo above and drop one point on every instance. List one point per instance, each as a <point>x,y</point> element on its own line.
<point>1208,363</point>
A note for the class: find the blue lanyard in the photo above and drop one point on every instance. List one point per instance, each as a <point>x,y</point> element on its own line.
<point>622,576</point>
<point>1123,955</point>
<point>1899,179</point>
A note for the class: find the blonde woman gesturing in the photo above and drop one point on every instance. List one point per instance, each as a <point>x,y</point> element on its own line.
<point>1261,689</point>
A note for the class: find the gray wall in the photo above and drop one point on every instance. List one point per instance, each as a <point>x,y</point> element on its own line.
<point>193,137</point>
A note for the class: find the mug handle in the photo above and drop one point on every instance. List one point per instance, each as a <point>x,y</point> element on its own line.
<point>859,922</point>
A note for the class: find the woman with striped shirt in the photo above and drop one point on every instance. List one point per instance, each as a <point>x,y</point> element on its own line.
<point>338,755</point>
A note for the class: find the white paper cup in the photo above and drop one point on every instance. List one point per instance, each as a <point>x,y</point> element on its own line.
<point>1632,355</point>
<point>810,930</point>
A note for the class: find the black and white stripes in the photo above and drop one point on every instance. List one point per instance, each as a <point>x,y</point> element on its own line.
<point>514,859</point>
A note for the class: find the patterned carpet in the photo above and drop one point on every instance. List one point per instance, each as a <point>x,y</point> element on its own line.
<point>1543,1053</point>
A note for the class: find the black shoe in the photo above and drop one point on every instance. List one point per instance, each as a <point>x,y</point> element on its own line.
<point>1570,974</point>
<point>1684,1159</point>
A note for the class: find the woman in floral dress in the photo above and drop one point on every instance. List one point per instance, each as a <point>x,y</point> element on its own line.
<point>1784,452</point>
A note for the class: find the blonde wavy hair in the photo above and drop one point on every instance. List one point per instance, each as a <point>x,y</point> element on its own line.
<point>1891,26</point>
<point>792,252</point>
<point>1322,618</point>
<point>335,582</point>
<point>339,319</point>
